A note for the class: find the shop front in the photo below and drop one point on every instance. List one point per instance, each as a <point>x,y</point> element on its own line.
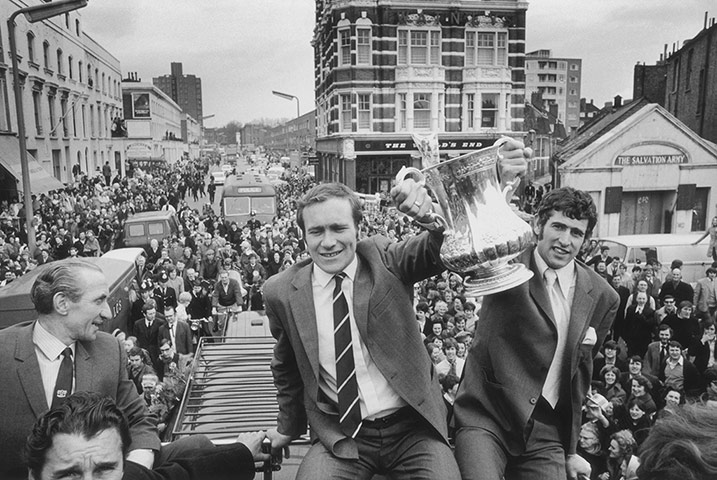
<point>369,164</point>
<point>646,171</point>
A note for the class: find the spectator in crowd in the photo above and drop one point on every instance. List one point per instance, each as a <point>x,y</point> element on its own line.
<point>611,388</point>
<point>137,368</point>
<point>640,388</point>
<point>603,256</point>
<point>682,291</point>
<point>706,294</point>
<point>147,332</point>
<point>641,286</point>
<point>210,265</point>
<point>622,460</point>
<point>452,363</point>
<point>712,233</point>
<point>90,433</point>
<point>654,361</point>
<point>668,308</point>
<point>680,373</point>
<point>624,293</point>
<point>178,333</point>
<point>639,325</point>
<point>685,327</point>
<point>637,419</point>
<point>634,369</point>
<point>590,447</point>
<point>702,352</point>
<point>171,362</point>
<point>610,356</point>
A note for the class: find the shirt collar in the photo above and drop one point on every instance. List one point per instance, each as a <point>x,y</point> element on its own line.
<point>323,278</point>
<point>48,344</point>
<point>678,362</point>
<point>566,275</point>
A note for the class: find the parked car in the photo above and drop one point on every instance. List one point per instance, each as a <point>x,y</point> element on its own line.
<point>663,247</point>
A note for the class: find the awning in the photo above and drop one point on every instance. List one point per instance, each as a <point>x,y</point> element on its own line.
<point>40,180</point>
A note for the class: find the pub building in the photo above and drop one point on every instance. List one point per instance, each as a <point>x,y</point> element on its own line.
<point>383,71</point>
<point>646,171</point>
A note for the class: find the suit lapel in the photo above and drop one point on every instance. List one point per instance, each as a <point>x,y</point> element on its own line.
<point>84,369</point>
<point>28,370</point>
<point>540,293</point>
<point>362,295</point>
<point>580,313</point>
<point>301,303</point>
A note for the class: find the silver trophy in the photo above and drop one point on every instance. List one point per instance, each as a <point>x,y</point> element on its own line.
<point>482,232</point>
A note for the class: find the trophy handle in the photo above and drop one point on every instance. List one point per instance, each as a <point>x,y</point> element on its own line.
<point>435,219</point>
<point>510,187</point>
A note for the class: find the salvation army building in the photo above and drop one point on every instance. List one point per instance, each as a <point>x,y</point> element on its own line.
<point>646,171</point>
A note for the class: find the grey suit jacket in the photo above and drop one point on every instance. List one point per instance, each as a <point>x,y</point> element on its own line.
<point>514,345</point>
<point>100,366</point>
<point>387,324</point>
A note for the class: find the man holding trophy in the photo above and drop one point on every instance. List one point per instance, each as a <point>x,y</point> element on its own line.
<point>349,360</point>
<point>518,408</point>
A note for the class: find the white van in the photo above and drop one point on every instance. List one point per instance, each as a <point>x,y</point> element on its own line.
<point>663,247</point>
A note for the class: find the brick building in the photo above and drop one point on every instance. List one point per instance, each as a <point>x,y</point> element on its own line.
<point>684,81</point>
<point>383,71</point>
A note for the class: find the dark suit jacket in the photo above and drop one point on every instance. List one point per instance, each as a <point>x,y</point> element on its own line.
<point>148,338</point>
<point>387,323</point>
<point>639,328</point>
<point>651,361</point>
<point>163,299</point>
<point>100,366</point>
<point>514,344</point>
<point>182,336</point>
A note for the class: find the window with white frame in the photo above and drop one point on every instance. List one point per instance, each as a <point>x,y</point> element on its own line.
<point>486,48</point>
<point>421,110</point>
<point>53,116</point>
<point>419,47</point>
<point>364,111</point>
<point>344,47</point>
<point>489,110</point>
<point>470,109</point>
<point>402,111</point>
<point>346,113</point>
<point>363,46</point>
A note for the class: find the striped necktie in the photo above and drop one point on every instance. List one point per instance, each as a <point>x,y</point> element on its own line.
<point>347,386</point>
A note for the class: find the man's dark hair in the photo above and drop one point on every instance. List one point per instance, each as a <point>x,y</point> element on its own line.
<point>326,191</point>
<point>83,413</point>
<point>135,352</point>
<point>572,203</point>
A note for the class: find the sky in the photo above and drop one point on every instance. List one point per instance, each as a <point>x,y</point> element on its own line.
<point>242,49</point>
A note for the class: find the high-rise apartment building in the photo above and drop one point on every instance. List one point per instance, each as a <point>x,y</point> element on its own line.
<point>185,90</point>
<point>558,80</point>
<point>386,69</point>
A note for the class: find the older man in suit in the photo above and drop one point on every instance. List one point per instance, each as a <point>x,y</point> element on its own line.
<point>64,351</point>
<point>518,409</point>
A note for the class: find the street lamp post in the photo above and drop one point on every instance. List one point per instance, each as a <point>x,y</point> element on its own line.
<point>286,96</point>
<point>35,13</point>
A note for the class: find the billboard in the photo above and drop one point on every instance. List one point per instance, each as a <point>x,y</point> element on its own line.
<point>140,105</point>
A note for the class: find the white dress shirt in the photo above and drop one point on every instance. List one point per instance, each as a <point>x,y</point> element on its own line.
<point>377,398</point>
<point>48,350</point>
<point>562,307</point>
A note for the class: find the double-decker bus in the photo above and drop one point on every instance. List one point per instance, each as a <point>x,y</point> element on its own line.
<point>246,193</point>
